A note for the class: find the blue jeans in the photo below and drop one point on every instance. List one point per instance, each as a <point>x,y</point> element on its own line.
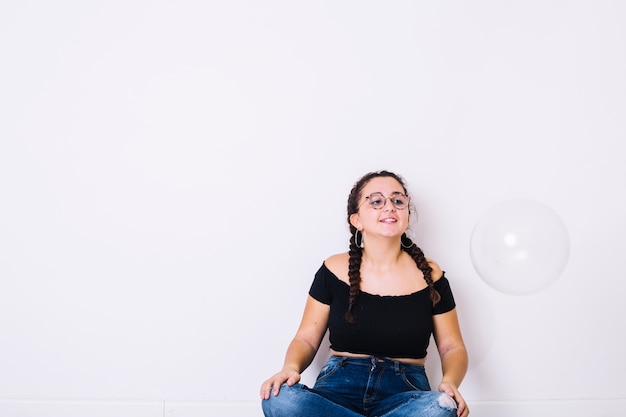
<point>373,387</point>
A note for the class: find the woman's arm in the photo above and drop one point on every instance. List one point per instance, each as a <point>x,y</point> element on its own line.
<point>302,348</point>
<point>451,348</point>
<point>453,356</point>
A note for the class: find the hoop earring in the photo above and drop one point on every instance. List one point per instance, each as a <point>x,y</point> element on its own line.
<point>356,239</point>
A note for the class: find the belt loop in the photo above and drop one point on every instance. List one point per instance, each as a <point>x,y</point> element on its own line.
<point>397,366</point>
<point>342,362</point>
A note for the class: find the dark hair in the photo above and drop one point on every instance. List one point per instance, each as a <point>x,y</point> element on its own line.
<point>356,253</point>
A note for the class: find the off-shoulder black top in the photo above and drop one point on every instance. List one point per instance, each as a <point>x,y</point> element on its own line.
<point>386,326</point>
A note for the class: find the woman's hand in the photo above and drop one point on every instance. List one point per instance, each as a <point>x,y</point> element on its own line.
<point>452,391</point>
<point>272,385</point>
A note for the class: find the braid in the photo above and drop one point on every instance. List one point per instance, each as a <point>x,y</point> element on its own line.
<point>420,260</point>
<point>354,274</point>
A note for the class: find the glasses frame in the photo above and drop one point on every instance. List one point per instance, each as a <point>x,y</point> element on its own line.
<point>385,198</point>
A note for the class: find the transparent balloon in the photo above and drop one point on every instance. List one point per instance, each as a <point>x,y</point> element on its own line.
<point>520,247</point>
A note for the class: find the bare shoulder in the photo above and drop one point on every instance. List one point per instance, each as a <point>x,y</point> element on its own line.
<point>338,265</point>
<point>436,273</point>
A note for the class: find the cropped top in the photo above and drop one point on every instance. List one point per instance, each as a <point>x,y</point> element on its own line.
<point>385,325</point>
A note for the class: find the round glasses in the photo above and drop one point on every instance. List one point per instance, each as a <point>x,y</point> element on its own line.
<point>377,200</point>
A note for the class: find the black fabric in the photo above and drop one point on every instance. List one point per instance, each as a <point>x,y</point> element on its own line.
<point>388,326</point>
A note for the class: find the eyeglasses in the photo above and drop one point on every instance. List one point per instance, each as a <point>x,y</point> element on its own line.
<point>377,200</point>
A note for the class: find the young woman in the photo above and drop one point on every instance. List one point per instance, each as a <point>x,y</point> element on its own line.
<point>381,302</point>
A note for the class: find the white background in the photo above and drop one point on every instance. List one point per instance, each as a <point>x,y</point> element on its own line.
<point>172,174</point>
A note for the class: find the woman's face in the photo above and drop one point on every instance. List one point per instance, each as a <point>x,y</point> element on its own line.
<point>383,208</point>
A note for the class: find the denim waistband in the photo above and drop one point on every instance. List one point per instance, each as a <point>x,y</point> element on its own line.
<point>374,361</point>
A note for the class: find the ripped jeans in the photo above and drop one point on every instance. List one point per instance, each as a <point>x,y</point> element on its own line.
<point>356,387</point>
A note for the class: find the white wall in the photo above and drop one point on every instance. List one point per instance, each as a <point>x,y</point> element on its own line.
<point>173,173</point>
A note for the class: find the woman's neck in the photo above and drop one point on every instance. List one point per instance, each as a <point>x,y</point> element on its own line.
<point>381,255</point>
